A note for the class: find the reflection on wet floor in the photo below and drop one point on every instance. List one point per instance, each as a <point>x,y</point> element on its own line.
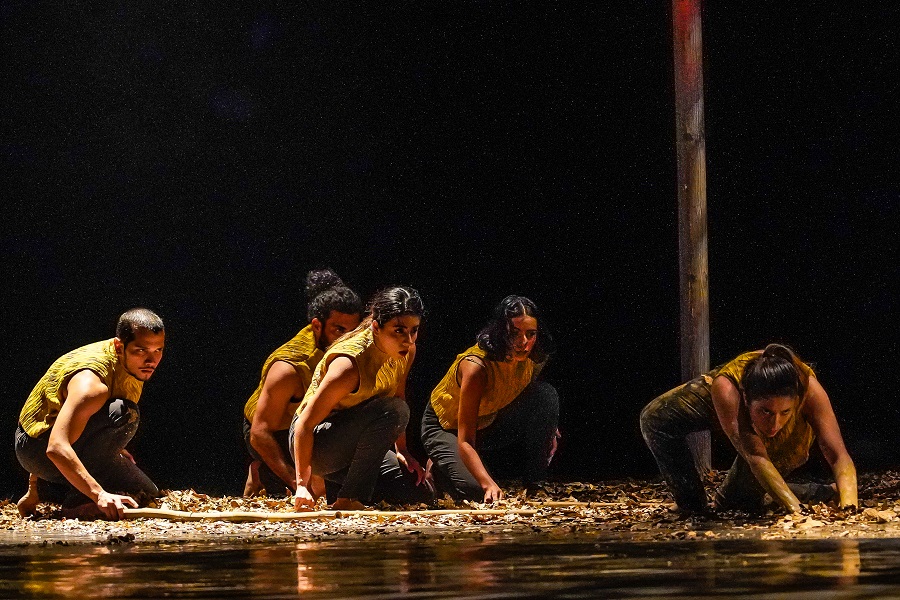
<point>429,567</point>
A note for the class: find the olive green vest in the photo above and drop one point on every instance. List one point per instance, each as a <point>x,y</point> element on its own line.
<point>505,381</point>
<point>379,375</point>
<point>44,402</point>
<point>301,353</point>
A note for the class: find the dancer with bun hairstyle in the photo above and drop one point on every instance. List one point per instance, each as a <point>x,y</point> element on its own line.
<point>333,309</point>
<point>772,407</point>
<point>350,427</point>
<point>489,416</point>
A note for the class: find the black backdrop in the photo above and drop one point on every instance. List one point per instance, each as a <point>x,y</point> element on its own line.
<point>200,159</point>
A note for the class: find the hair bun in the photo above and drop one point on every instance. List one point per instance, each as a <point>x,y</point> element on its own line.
<point>778,351</point>
<point>321,280</point>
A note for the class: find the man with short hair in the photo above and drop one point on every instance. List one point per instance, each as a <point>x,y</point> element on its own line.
<point>74,427</point>
<point>334,309</point>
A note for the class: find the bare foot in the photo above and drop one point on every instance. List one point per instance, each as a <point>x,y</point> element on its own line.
<point>348,504</point>
<point>253,485</point>
<point>27,504</point>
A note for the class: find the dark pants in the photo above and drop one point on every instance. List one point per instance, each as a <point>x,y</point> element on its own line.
<point>270,481</point>
<point>665,424</point>
<point>516,445</point>
<point>107,432</point>
<point>353,448</point>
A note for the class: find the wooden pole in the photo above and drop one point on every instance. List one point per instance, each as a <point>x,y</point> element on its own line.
<point>690,143</point>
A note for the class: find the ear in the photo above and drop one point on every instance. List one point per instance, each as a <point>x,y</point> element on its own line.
<point>375,326</point>
<point>117,344</point>
<point>316,327</point>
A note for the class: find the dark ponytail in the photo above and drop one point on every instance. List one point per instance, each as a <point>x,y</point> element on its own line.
<point>775,372</point>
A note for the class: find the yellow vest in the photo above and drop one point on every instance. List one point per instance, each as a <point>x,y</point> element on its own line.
<point>505,381</point>
<point>301,353</point>
<point>789,449</point>
<point>44,402</point>
<point>379,375</point>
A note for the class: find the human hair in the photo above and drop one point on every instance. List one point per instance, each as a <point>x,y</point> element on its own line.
<point>326,292</point>
<point>390,303</point>
<point>495,337</point>
<point>777,371</point>
<point>134,319</point>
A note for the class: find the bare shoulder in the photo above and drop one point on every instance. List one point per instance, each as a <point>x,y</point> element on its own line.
<point>473,367</point>
<point>86,384</point>
<point>816,397</point>
<point>281,371</point>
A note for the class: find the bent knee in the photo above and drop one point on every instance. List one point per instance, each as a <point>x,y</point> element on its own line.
<point>546,396</point>
<point>649,420</point>
<point>395,409</point>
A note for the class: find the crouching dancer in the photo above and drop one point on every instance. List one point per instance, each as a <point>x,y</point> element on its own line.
<point>772,408</point>
<point>489,416</point>
<point>74,427</point>
<point>350,427</point>
<point>334,309</point>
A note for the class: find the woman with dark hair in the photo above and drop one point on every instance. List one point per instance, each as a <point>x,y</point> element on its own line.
<point>771,406</point>
<point>354,414</point>
<point>488,414</point>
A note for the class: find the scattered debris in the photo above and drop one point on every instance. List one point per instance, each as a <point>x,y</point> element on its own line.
<point>635,509</point>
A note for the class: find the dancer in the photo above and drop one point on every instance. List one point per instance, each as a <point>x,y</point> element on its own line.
<point>333,310</point>
<point>74,427</point>
<point>354,414</point>
<point>488,414</point>
<point>771,406</point>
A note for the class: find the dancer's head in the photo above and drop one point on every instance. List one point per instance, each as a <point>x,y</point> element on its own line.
<point>333,309</point>
<point>395,314</point>
<point>515,332</point>
<point>773,384</point>
<point>140,337</point>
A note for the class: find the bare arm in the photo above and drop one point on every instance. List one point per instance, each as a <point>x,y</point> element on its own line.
<point>341,378</point>
<point>404,456</point>
<point>281,384</point>
<point>820,414</point>
<point>472,384</point>
<point>85,395</point>
<point>727,402</point>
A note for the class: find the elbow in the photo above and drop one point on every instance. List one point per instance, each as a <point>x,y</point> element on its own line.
<point>257,432</point>
<point>756,461</point>
<point>838,459</point>
<point>55,451</point>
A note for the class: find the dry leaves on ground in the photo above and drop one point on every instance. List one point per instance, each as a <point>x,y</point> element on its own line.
<point>632,509</point>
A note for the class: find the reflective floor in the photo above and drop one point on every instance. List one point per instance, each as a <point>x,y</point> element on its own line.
<point>500,566</point>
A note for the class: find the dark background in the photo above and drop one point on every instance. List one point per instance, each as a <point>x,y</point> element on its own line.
<point>199,160</point>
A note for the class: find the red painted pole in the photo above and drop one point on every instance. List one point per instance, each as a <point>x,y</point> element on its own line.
<point>690,143</point>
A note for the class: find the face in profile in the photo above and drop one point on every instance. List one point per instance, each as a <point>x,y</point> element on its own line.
<point>770,415</point>
<point>336,325</point>
<point>523,335</point>
<point>142,354</point>
<point>398,336</point>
